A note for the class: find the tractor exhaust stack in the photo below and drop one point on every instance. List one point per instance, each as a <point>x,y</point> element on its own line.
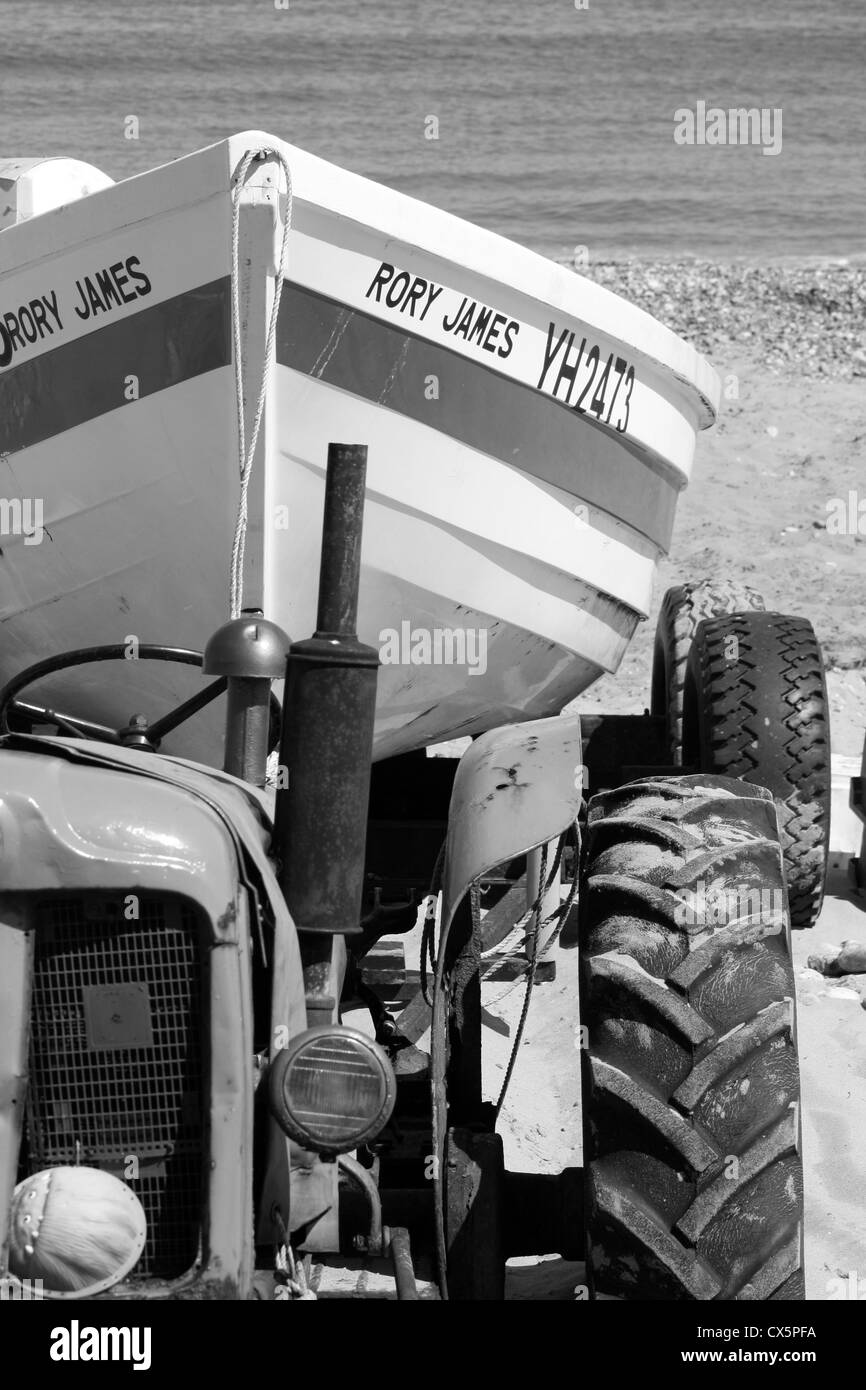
<point>327,736</point>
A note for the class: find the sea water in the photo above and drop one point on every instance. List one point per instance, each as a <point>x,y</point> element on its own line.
<point>554,122</point>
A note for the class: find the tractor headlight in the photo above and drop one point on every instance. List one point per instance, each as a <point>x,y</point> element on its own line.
<point>331,1089</point>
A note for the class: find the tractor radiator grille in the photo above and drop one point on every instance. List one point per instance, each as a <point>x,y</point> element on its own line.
<point>116,1078</point>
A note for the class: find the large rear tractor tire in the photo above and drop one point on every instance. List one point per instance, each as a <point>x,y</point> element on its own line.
<point>755,707</point>
<point>683,608</point>
<point>691,1087</point>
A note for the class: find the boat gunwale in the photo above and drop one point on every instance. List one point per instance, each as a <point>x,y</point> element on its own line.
<point>696,373</point>
<point>468,246</point>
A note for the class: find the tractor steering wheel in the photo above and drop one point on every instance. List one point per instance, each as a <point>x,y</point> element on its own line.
<point>138,733</point>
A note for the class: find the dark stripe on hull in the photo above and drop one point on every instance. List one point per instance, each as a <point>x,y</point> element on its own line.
<point>481,408</point>
<point>189,335</point>
<point>68,385</point>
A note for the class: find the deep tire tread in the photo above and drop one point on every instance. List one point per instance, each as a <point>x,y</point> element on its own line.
<point>690,1075</point>
<point>683,608</point>
<point>763,716</point>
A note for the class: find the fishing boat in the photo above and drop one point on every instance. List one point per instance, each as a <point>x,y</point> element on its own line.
<point>528,434</point>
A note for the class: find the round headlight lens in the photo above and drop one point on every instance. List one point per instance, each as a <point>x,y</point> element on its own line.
<point>332,1089</point>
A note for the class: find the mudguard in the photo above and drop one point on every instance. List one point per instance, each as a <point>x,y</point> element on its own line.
<point>516,788</point>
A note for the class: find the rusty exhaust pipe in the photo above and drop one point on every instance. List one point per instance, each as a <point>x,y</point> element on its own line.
<point>326,746</point>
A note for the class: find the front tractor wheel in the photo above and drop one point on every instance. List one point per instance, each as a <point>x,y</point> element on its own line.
<point>755,706</point>
<point>683,608</point>
<point>691,1111</point>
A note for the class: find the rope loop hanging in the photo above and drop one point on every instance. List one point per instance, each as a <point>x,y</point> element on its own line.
<point>246,453</point>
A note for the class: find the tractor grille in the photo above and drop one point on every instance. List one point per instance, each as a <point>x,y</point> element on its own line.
<point>116,1077</point>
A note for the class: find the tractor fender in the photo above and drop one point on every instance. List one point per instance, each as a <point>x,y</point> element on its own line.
<point>516,788</point>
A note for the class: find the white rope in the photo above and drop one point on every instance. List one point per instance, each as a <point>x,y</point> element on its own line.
<point>246,455</point>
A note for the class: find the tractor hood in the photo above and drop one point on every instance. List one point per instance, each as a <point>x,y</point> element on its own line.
<point>169,827</point>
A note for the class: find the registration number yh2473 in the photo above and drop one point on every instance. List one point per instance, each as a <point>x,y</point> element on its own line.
<point>581,377</point>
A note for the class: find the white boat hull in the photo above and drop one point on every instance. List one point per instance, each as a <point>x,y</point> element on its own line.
<point>517,498</point>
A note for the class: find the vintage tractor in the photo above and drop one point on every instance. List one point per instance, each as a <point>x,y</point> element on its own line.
<point>178,947</point>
